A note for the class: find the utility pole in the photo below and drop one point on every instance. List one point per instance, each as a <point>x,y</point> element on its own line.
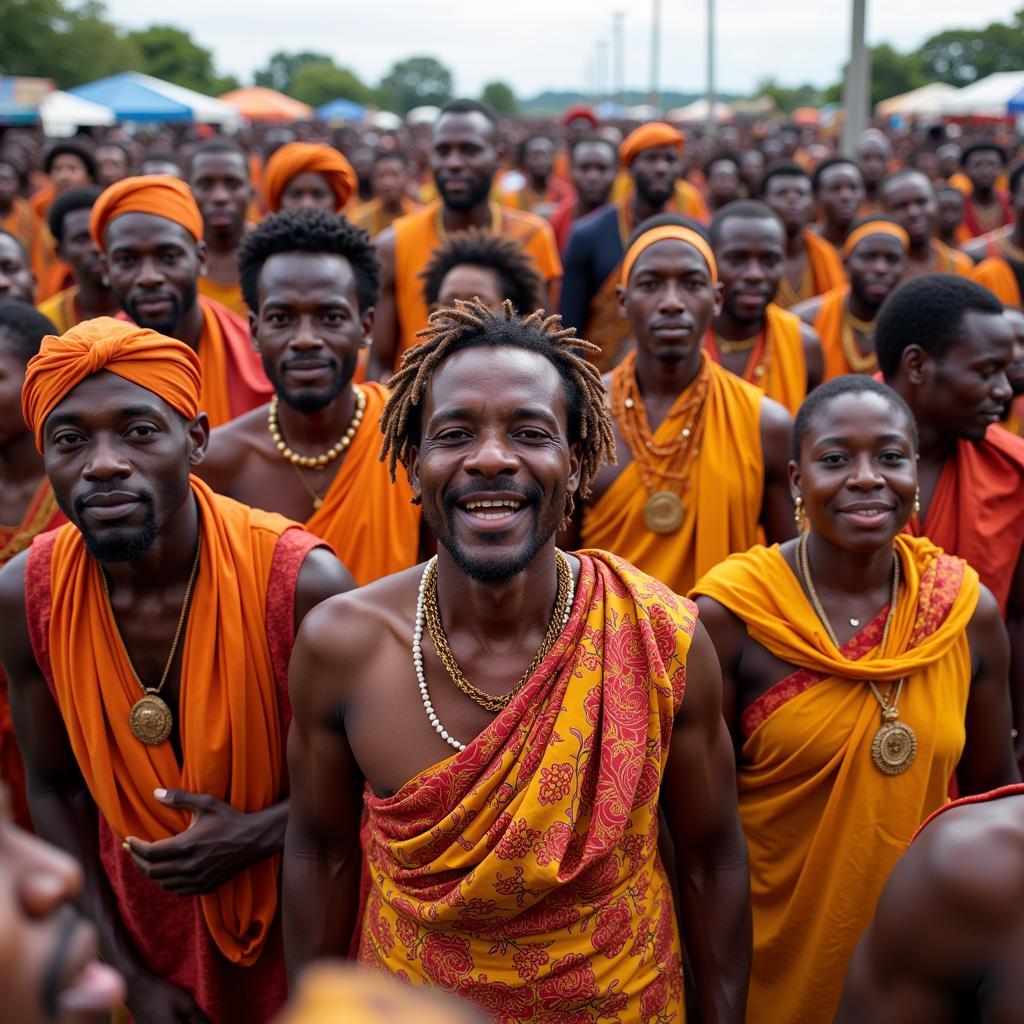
<point>602,69</point>
<point>856,87</point>
<point>619,57</point>
<point>654,99</point>
<point>711,123</point>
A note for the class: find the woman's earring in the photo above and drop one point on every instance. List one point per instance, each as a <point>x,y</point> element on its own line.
<point>916,510</point>
<point>800,515</point>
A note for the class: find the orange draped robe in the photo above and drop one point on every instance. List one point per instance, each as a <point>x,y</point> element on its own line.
<point>829,325</point>
<point>722,505</point>
<point>31,230</point>
<point>373,218</point>
<point>824,826</point>
<point>233,719</point>
<point>777,365</point>
<point>229,295</point>
<point>826,272</point>
<point>416,238</point>
<point>997,276</point>
<point>523,873</point>
<point>977,510</point>
<point>369,521</point>
<point>62,309</point>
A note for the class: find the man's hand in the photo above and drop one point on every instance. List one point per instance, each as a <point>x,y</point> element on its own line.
<point>218,844</point>
<point>156,1001</point>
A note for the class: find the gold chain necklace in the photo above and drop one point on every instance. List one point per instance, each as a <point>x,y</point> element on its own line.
<point>315,461</point>
<point>491,702</point>
<point>787,295</point>
<point>855,359</point>
<point>726,347</point>
<point>150,719</point>
<point>895,744</point>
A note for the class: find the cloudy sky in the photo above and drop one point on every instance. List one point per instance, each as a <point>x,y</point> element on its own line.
<point>539,44</point>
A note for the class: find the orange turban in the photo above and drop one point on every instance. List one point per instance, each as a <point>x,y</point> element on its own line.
<point>162,195</point>
<point>301,157</point>
<point>647,136</point>
<point>162,365</point>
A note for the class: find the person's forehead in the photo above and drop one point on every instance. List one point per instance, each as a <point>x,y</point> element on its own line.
<point>11,251</point>
<point>471,126</point>
<point>302,272</point>
<point>985,155</point>
<point>471,271</point>
<point>872,145</point>
<point>77,220</point>
<point>670,255</point>
<point>984,332</point>
<point>670,150</point>
<point>308,180</point>
<point>908,186</point>
<point>859,412</point>
<point>540,143</point>
<point>492,380</point>
<point>108,150</point>
<point>1016,318</point>
<point>68,160</point>
<point>877,242</point>
<point>785,182</point>
<point>146,229</point>
<point>760,231</point>
<point>838,173</point>
<point>223,162</point>
<point>588,152</point>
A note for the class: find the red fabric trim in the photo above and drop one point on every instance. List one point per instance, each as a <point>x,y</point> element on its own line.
<point>978,798</point>
<point>37,602</point>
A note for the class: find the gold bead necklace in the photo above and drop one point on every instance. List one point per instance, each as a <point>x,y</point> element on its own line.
<point>315,461</point>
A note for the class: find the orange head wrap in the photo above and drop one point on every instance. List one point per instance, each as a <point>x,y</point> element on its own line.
<point>299,157</point>
<point>676,231</point>
<point>162,365</point>
<point>875,226</point>
<point>647,136</point>
<point>161,195</point>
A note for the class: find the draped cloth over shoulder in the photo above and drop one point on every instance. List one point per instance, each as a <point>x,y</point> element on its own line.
<point>824,826</point>
<point>523,872</point>
<point>307,157</point>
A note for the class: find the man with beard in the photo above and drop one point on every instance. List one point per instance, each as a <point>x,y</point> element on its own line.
<point>90,296</point>
<point>50,972</point>
<point>465,154</point>
<point>653,158</point>
<point>16,278</point>
<point>312,454</point>
<point>593,167</point>
<point>162,773</point>
<point>876,258</point>
<point>701,454</point>
<point>752,337</point>
<point>986,206</point>
<point>874,157</point>
<point>1001,269</point>
<point>811,266</point>
<point>839,192</point>
<point>909,198</point>
<point>218,175</point>
<point>945,345</point>
<point>391,200</point>
<point>504,828</point>
<point>151,233</point>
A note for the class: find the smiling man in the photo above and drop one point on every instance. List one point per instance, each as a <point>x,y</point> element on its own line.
<point>151,233</point>
<point>513,825</point>
<point>944,344</point>
<point>146,649</point>
<point>312,453</point>
<point>701,454</point>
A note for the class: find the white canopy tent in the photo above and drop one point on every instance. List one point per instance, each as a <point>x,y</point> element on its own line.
<point>927,100</point>
<point>63,114</point>
<point>697,112</point>
<point>988,97</point>
<point>204,108</point>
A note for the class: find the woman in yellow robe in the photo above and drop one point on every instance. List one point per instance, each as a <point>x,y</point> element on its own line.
<point>863,669</point>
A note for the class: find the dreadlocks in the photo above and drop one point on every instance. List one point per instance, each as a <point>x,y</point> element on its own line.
<point>472,324</point>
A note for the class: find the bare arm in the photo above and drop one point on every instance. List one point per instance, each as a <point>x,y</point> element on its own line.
<point>699,801</point>
<point>385,326</point>
<point>988,760</point>
<point>777,504</point>
<point>808,310</point>
<point>814,361</point>
<point>1015,629</point>
<point>728,634</point>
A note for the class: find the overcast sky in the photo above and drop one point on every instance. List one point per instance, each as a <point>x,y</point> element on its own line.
<point>539,44</point>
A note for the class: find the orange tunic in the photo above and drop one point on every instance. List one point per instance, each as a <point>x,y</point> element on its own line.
<point>777,365</point>
<point>31,230</point>
<point>416,238</point>
<point>229,295</point>
<point>997,276</point>
<point>62,309</point>
<point>369,521</point>
<point>722,504</point>
<point>373,218</point>
<point>522,873</point>
<point>829,325</point>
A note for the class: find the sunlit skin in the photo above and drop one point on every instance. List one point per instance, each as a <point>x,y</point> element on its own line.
<point>67,171</point>
<point>468,282</point>
<point>222,189</point>
<point>594,165</point>
<point>17,281</point>
<point>76,248</point>
<point>840,194</point>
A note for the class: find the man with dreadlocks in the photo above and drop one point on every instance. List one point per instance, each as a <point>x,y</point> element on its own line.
<point>512,832</point>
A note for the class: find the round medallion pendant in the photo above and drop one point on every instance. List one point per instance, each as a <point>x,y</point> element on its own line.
<point>894,748</point>
<point>150,720</point>
<point>663,512</point>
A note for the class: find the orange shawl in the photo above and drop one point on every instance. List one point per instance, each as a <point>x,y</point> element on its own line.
<point>977,510</point>
<point>997,276</point>
<point>826,267</point>
<point>829,325</point>
<point>369,521</point>
<point>523,872</point>
<point>777,365</point>
<point>824,826</point>
<point>228,718</point>
<point>721,506</point>
<point>61,309</point>
<point>228,295</point>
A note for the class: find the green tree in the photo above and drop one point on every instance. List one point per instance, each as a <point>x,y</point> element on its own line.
<point>282,67</point>
<point>962,56</point>
<point>501,97</point>
<point>416,82</point>
<point>171,54</point>
<point>788,98</point>
<point>892,73</point>
<point>319,82</point>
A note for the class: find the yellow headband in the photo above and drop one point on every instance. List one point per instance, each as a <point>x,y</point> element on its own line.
<point>875,227</point>
<point>655,235</point>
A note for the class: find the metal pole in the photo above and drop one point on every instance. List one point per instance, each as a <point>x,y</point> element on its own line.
<point>856,88</point>
<point>654,99</point>
<point>602,63</point>
<point>618,57</point>
<point>711,124</point>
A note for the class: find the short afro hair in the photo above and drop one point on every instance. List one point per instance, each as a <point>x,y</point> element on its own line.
<point>827,164</point>
<point>982,146</point>
<point>520,281</point>
<point>850,384</point>
<point>309,231</point>
<point>24,326</point>
<point>781,170</point>
<point>73,199</point>
<point>749,209</point>
<point>211,147</point>
<point>70,148</point>
<point>928,311</point>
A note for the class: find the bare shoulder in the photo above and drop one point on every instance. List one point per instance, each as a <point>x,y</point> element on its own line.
<point>809,336</point>
<point>12,584</point>
<point>703,679</point>
<point>776,422</point>
<point>385,243</point>
<point>808,310</point>
<point>230,445</point>
<point>15,647</point>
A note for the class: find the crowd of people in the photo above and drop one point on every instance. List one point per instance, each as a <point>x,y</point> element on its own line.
<point>699,453</point>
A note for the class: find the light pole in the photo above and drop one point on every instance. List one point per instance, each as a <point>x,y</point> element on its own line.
<point>619,57</point>
<point>856,87</point>
<point>654,99</point>
<point>711,124</point>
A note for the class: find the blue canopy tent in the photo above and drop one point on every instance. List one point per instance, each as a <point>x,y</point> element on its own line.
<point>1016,104</point>
<point>340,110</point>
<point>131,100</point>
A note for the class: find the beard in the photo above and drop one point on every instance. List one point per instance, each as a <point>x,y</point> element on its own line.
<point>478,193</point>
<point>654,195</point>
<point>309,401</point>
<point>179,306</point>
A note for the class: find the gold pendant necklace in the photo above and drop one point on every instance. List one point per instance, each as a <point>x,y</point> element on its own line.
<point>150,719</point>
<point>895,744</point>
<point>315,461</point>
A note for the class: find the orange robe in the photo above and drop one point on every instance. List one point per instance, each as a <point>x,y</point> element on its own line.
<point>824,826</point>
<point>369,521</point>
<point>373,218</point>
<point>523,872</point>
<point>233,377</point>
<point>687,199</point>
<point>31,230</point>
<point>997,276</point>
<point>951,261</point>
<point>777,365</point>
<point>41,515</point>
<point>722,504</point>
<point>829,325</point>
<point>229,295</point>
<point>977,510</point>
<point>62,309</point>
<point>233,719</point>
<point>825,272</point>
<point>416,238</point>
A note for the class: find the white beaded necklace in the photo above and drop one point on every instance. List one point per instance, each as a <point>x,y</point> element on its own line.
<point>417,654</point>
